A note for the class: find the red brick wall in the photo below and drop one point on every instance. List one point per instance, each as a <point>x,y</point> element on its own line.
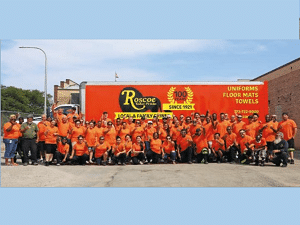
<point>284,94</point>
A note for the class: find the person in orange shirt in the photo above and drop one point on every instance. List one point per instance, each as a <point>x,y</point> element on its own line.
<point>124,131</point>
<point>20,142</point>
<point>137,131</point>
<point>10,139</point>
<point>238,125</point>
<point>244,143</point>
<point>289,129</point>
<point>110,135</point>
<point>76,131</point>
<point>232,121</point>
<point>119,152</point>
<point>104,118</point>
<point>209,131</point>
<point>138,151</point>
<point>63,127</point>
<point>149,131</point>
<point>117,124</point>
<point>80,152</point>
<point>91,138</point>
<point>251,127</point>
<point>194,126</point>
<point>268,131</point>
<point>51,134</point>
<point>154,153</point>
<point>41,146</point>
<point>168,150</point>
<point>259,146</point>
<point>231,151</point>
<point>73,114</point>
<point>163,132</point>
<point>101,151</point>
<point>181,119</point>
<point>184,149</point>
<point>222,125</point>
<point>187,124</point>
<point>218,148</point>
<point>201,145</point>
<point>128,147</point>
<point>175,132</point>
<point>62,153</point>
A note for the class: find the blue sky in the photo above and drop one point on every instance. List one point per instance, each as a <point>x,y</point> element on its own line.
<point>141,60</point>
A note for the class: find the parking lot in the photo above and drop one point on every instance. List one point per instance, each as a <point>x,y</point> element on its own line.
<point>161,175</point>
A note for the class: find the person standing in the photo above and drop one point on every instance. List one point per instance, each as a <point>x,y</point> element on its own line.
<point>51,134</point>
<point>289,129</point>
<point>184,149</point>
<point>41,146</point>
<point>10,139</point>
<point>30,130</point>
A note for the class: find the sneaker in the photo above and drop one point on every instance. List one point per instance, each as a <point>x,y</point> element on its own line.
<point>284,165</point>
<point>243,161</point>
<point>146,161</point>
<point>141,163</point>
<point>104,163</point>
<point>87,162</point>
<point>219,162</point>
<point>25,164</point>
<point>189,162</point>
<point>35,164</point>
<point>205,162</point>
<point>91,162</point>
<point>262,163</point>
<point>292,161</point>
<point>174,162</point>
<point>58,164</point>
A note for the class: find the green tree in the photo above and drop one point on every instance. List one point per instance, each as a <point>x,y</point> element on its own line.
<point>19,100</point>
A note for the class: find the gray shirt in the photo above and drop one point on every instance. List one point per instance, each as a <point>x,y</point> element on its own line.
<point>31,132</point>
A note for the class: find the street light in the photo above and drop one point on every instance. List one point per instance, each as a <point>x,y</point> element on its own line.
<point>45,88</point>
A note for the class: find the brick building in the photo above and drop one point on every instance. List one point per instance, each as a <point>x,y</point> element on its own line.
<point>284,92</point>
<point>67,92</point>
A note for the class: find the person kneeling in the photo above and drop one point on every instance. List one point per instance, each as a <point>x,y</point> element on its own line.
<point>280,150</point>
<point>138,151</point>
<point>101,151</point>
<point>80,152</point>
<point>119,152</point>
<point>260,149</point>
<point>62,153</point>
<point>168,150</point>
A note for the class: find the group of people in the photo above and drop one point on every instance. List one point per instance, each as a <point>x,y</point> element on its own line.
<point>195,138</point>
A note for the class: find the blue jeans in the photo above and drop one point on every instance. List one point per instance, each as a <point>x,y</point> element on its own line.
<point>10,148</point>
<point>172,156</point>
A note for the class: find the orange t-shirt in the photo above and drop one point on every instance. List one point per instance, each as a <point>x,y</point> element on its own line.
<point>14,133</point>
<point>194,128</point>
<point>163,134</point>
<point>209,132</point>
<point>50,138</point>
<point>131,126</point>
<point>230,138</point>
<point>136,147</point>
<point>257,145</point>
<point>243,141</point>
<point>183,142</point>
<point>90,137</point>
<point>128,145</point>
<point>123,133</point>
<point>75,132</point>
<point>201,142</point>
<point>222,127</point>
<point>70,117</point>
<point>251,129</point>
<point>80,149</point>
<point>155,145</point>
<point>268,133</point>
<point>110,136</point>
<point>287,129</point>
<point>168,147</point>
<point>119,148</point>
<point>237,127</point>
<point>42,128</point>
<point>149,132</point>
<point>217,146</point>
<point>63,149</point>
<point>99,131</point>
<point>175,132</point>
<point>139,131</point>
<point>101,149</point>
<point>63,129</point>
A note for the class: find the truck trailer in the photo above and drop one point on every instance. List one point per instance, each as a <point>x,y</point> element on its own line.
<point>147,99</point>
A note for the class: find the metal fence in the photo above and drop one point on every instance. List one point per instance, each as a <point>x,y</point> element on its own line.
<point>5,117</point>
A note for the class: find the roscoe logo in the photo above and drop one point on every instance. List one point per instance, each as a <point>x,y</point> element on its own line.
<point>131,100</point>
